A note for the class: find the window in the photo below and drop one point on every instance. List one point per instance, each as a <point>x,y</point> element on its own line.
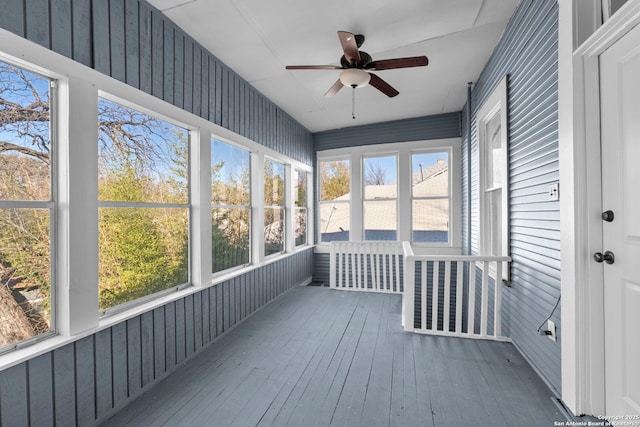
<point>27,195</point>
<point>274,204</point>
<point>231,205</point>
<point>402,191</point>
<point>430,197</point>
<point>380,198</point>
<point>143,193</point>
<point>494,190</point>
<point>300,196</point>
<point>335,200</point>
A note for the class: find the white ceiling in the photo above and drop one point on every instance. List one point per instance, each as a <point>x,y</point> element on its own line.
<point>257,38</point>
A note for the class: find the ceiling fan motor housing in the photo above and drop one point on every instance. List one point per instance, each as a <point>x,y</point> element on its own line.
<point>365,59</point>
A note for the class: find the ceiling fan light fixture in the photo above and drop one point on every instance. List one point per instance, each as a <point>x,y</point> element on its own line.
<point>354,77</point>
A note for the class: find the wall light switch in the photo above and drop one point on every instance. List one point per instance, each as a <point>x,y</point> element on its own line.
<point>554,192</point>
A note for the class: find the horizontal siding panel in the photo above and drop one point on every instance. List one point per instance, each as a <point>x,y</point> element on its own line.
<point>535,183</point>
<point>530,191</point>
<point>545,251</point>
<point>545,288</point>
<point>525,153</point>
<point>532,231</point>
<point>543,263</point>
<point>415,129</point>
<point>535,240</point>
<point>527,53</point>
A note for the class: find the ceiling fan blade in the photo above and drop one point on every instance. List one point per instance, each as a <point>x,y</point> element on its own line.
<point>349,46</point>
<point>313,67</point>
<point>389,64</point>
<point>382,86</point>
<point>335,88</point>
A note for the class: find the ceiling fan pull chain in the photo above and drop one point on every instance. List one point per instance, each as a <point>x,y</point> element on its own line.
<point>353,103</point>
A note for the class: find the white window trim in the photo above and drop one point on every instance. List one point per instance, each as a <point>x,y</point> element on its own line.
<point>193,137</point>
<point>403,150</point>
<point>207,186</point>
<point>336,158</point>
<point>496,103</point>
<point>291,213</point>
<point>51,205</point>
<point>449,151</point>
<point>76,260</point>
<point>286,208</point>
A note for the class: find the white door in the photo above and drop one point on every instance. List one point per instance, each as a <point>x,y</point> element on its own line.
<point>620,122</point>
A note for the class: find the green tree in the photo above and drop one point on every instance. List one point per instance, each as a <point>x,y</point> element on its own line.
<point>335,179</point>
<point>143,250</point>
<point>230,222</point>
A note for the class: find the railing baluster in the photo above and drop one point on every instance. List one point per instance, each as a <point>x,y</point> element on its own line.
<point>479,268</point>
<point>353,266</point>
<point>408,298</point>
<point>365,266</point>
<point>447,296</point>
<point>497,309</point>
<point>340,261</point>
<point>385,282</point>
<point>375,263</point>
<point>423,294</point>
<point>435,288</point>
<point>332,265</point>
<point>484,307</point>
<point>472,298</point>
<point>359,264</point>
<point>396,266</point>
<point>375,266</point>
<point>459,284</point>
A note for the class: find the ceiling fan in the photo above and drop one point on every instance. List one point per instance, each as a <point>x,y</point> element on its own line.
<point>356,66</point>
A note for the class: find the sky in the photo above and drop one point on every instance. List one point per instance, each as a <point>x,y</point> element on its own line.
<point>388,163</point>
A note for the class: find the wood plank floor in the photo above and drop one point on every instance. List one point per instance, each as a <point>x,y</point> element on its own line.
<point>319,357</point>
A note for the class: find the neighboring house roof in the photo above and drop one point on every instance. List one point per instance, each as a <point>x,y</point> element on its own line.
<point>429,214</point>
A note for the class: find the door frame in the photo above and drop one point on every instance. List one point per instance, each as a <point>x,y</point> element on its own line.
<point>582,280</point>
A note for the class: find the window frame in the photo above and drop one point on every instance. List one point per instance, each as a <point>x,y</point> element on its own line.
<point>50,205</point>
<point>152,205</point>
<point>296,208</point>
<point>403,150</point>
<point>223,206</point>
<point>363,180</point>
<point>284,207</point>
<point>495,104</point>
<point>349,202</point>
<point>75,247</point>
<point>448,197</point>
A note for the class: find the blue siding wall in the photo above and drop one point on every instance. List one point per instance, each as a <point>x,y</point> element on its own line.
<point>85,382</point>
<point>416,129</point>
<point>528,54</point>
<point>133,42</point>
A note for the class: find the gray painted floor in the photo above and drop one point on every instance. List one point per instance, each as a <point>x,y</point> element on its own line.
<point>320,357</point>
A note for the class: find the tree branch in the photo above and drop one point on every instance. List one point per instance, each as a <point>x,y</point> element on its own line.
<point>8,146</point>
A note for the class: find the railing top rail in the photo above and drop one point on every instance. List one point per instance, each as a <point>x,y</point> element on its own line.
<point>407,249</point>
<point>470,258</point>
<point>368,242</point>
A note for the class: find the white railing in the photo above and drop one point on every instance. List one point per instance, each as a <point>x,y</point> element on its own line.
<point>449,295</point>
<point>373,266</point>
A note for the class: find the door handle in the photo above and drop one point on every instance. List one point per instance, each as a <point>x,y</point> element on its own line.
<point>607,216</point>
<point>607,257</point>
